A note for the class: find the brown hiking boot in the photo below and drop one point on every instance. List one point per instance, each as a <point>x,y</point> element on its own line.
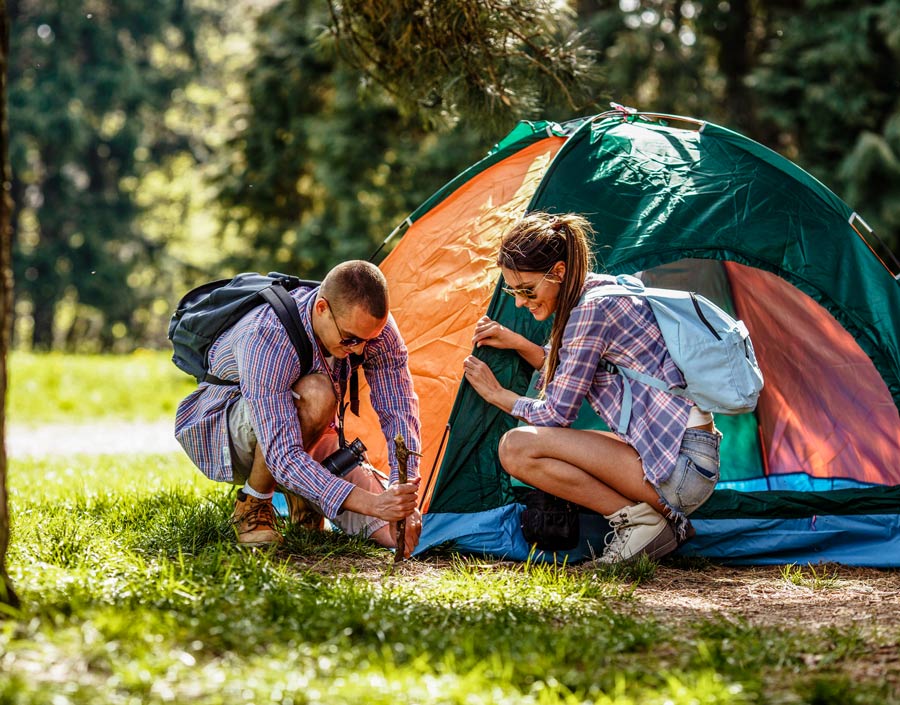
<point>255,522</point>
<point>303,513</point>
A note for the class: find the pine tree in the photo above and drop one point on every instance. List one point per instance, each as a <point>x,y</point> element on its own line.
<point>491,61</point>
<point>87,93</point>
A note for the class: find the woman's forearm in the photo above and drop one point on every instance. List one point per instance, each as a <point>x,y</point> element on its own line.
<point>532,353</point>
<point>503,399</point>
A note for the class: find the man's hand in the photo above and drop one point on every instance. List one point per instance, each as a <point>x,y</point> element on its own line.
<point>395,503</point>
<point>413,531</point>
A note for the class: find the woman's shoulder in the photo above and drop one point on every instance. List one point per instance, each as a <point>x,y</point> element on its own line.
<point>595,286</point>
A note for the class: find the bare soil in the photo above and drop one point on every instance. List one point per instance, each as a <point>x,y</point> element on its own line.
<point>99,437</point>
<point>845,600</point>
<point>843,597</point>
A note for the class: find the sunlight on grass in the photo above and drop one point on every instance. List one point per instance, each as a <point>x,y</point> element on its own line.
<point>119,477</point>
<point>53,387</point>
<point>820,577</point>
<point>135,592</point>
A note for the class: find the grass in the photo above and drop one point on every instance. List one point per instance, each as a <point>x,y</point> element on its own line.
<point>133,591</point>
<point>57,388</point>
<point>813,577</point>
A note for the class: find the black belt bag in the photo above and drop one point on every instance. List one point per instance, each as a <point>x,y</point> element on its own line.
<point>550,523</point>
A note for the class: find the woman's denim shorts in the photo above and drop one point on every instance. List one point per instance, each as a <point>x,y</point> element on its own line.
<point>696,472</point>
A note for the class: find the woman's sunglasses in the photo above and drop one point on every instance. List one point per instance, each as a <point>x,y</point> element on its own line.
<point>527,292</point>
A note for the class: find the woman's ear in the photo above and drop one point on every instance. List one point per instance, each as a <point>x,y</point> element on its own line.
<point>559,270</point>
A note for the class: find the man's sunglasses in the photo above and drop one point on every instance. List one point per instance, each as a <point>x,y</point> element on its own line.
<point>347,341</point>
<point>527,292</point>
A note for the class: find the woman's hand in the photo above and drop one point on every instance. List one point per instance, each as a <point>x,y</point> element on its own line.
<point>483,381</point>
<point>489,332</point>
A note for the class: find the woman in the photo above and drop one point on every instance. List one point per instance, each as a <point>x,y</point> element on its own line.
<point>665,464</point>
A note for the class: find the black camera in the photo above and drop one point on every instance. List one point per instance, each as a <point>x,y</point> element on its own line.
<point>343,460</point>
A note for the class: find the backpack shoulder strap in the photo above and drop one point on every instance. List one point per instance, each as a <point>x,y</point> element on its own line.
<point>286,310</point>
<point>627,285</point>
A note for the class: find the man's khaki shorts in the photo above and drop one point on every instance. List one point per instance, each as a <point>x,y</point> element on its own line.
<point>243,447</point>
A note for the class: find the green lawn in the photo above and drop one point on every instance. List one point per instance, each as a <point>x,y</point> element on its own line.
<point>50,388</point>
<point>134,592</point>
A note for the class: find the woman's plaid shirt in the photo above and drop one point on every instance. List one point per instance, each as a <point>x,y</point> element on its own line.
<point>622,330</point>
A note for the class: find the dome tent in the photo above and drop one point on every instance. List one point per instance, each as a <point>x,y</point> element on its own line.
<point>813,474</point>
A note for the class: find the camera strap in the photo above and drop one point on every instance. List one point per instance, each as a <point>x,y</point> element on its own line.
<point>355,361</point>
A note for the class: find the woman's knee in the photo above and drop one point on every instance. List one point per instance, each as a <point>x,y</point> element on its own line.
<point>513,451</point>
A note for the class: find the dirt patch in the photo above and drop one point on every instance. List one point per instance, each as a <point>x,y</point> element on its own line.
<point>860,601</point>
<point>823,600</point>
<point>98,437</point>
<point>821,597</point>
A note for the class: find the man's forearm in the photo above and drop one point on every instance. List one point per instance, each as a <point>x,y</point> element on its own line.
<point>360,501</point>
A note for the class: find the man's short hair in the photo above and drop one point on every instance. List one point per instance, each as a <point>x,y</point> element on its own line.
<point>357,283</point>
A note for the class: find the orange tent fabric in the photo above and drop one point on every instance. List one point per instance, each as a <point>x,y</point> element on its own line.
<point>441,276</point>
<point>815,428</point>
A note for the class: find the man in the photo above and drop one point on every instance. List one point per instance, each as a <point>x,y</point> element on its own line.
<point>275,427</point>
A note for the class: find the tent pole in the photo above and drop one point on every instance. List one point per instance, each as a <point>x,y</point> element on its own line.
<point>434,466</point>
<point>407,223</point>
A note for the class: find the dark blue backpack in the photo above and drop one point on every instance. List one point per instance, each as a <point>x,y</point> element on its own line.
<point>207,311</point>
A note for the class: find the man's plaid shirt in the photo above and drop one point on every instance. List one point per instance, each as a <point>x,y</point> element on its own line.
<point>258,352</point>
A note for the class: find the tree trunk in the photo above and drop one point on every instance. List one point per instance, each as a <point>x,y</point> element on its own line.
<point>43,313</point>
<point>7,595</point>
<point>735,63</point>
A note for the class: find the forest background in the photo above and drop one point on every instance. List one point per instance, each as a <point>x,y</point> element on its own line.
<point>157,145</point>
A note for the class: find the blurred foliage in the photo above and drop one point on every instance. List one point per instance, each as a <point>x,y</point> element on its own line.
<point>492,61</point>
<point>816,80</point>
<point>315,175</point>
<point>829,86</point>
<point>154,147</point>
<point>88,83</point>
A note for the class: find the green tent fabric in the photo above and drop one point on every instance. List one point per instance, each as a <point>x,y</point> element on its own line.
<point>692,205</point>
<point>656,194</point>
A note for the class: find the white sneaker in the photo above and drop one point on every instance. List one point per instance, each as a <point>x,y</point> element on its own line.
<point>637,530</point>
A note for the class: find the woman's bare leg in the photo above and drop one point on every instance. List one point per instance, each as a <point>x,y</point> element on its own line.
<point>591,468</point>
